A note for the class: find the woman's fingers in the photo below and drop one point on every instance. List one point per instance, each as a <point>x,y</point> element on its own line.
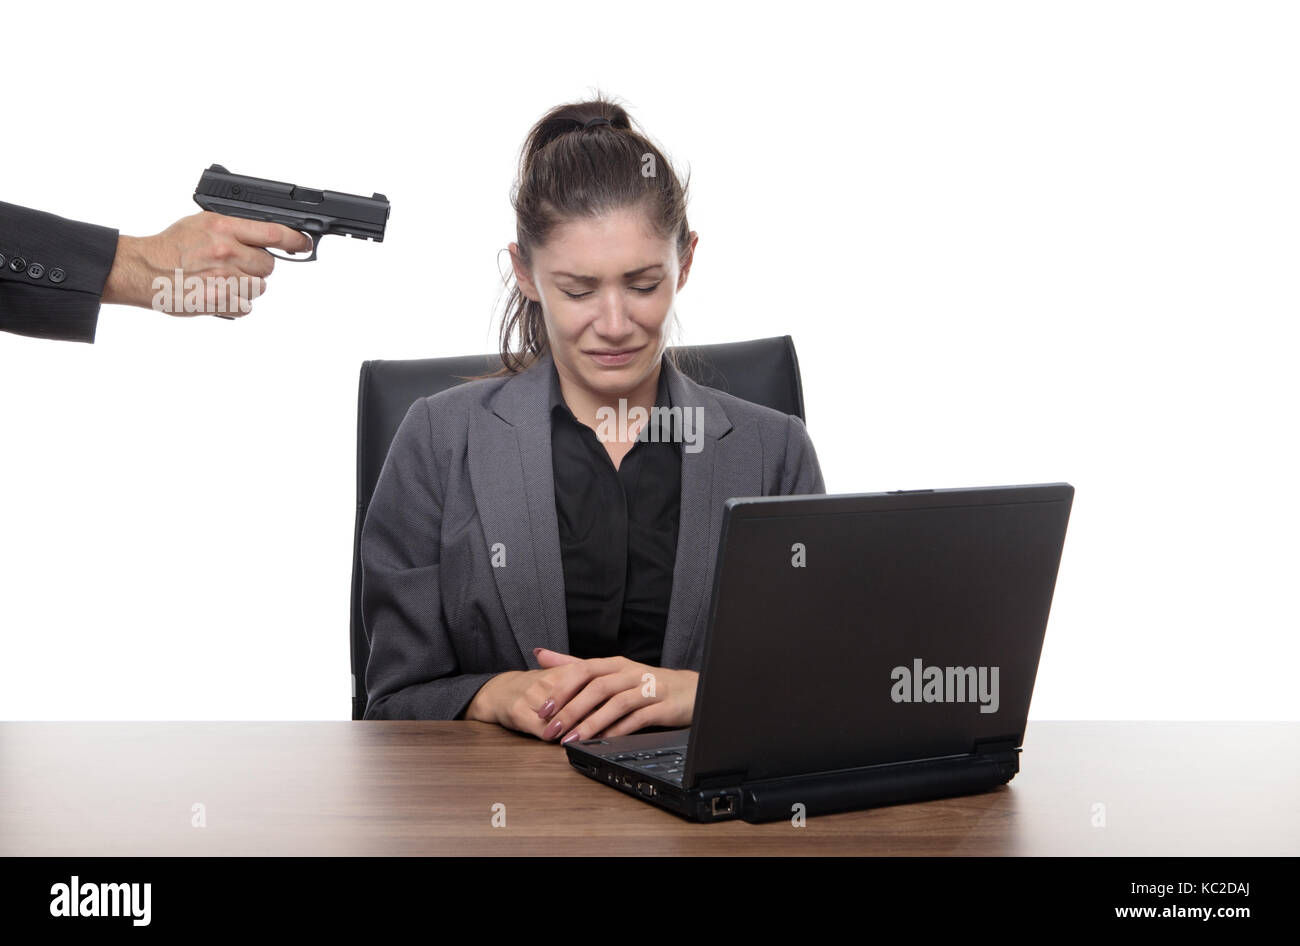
<point>602,702</point>
<point>566,682</point>
<point>522,697</point>
<point>553,658</point>
<point>670,702</point>
<point>635,721</point>
<point>627,712</point>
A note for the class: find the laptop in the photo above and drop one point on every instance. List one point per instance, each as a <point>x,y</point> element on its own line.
<point>861,650</point>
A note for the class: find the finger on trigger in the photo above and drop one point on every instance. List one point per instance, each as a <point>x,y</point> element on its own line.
<point>261,233</point>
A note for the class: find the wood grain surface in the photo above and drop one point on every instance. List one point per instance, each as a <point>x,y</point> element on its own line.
<point>428,788</point>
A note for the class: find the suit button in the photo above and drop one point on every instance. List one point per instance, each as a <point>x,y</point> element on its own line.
<point>57,275</point>
<point>18,264</point>
<point>36,270</point>
<point>2,259</point>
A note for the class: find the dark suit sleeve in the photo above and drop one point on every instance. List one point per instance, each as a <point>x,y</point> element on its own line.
<point>53,274</point>
<point>801,474</point>
<point>412,672</point>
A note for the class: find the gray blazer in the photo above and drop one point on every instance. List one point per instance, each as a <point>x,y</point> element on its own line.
<point>468,479</point>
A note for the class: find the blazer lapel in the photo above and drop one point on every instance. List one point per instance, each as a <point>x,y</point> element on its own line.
<point>725,465</point>
<point>509,454</point>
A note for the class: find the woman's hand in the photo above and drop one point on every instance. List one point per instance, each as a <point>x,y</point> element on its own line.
<point>581,699</point>
<point>614,696</point>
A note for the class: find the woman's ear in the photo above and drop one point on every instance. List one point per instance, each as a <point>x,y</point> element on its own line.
<point>523,277</point>
<point>686,263</point>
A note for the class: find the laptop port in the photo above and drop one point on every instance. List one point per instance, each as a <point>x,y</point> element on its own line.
<point>646,789</point>
<point>626,781</point>
<point>724,804</point>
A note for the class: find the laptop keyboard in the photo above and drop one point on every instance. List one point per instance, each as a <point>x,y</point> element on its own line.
<point>667,764</point>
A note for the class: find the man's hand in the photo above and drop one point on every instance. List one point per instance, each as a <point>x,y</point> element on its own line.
<point>581,699</point>
<point>225,253</point>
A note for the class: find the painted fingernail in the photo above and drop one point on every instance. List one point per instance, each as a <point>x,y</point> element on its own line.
<point>546,709</point>
<point>572,735</point>
<point>553,730</point>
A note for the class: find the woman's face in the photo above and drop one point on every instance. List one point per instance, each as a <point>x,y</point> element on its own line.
<point>607,288</point>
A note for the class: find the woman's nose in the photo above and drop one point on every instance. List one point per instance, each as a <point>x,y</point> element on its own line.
<point>612,320</point>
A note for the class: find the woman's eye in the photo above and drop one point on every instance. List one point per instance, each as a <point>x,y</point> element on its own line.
<point>583,295</point>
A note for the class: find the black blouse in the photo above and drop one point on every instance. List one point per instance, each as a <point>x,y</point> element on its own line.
<point>618,534</point>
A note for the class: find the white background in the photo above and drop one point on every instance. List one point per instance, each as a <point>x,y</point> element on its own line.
<point>1013,242</point>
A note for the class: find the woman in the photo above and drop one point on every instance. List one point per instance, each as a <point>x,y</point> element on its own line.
<point>526,559</point>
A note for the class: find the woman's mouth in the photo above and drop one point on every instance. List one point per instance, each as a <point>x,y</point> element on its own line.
<point>613,356</point>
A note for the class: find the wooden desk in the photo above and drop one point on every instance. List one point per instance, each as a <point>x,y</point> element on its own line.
<point>362,788</point>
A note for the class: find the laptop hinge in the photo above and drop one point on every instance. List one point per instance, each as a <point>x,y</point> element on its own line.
<point>996,744</point>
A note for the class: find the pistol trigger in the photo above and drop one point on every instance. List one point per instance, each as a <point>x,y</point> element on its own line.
<point>312,235</point>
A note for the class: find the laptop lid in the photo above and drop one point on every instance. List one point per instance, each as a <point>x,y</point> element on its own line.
<point>853,630</point>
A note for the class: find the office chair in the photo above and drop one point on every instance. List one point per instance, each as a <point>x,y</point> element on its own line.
<point>763,370</point>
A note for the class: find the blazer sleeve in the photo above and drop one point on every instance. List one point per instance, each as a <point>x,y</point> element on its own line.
<point>412,672</point>
<point>52,274</point>
<point>801,474</point>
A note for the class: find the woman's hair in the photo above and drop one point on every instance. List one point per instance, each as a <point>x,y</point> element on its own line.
<point>568,171</point>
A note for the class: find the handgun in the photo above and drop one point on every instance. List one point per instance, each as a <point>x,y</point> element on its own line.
<point>313,212</point>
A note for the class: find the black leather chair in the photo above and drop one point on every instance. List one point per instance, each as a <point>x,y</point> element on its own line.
<point>764,370</point>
